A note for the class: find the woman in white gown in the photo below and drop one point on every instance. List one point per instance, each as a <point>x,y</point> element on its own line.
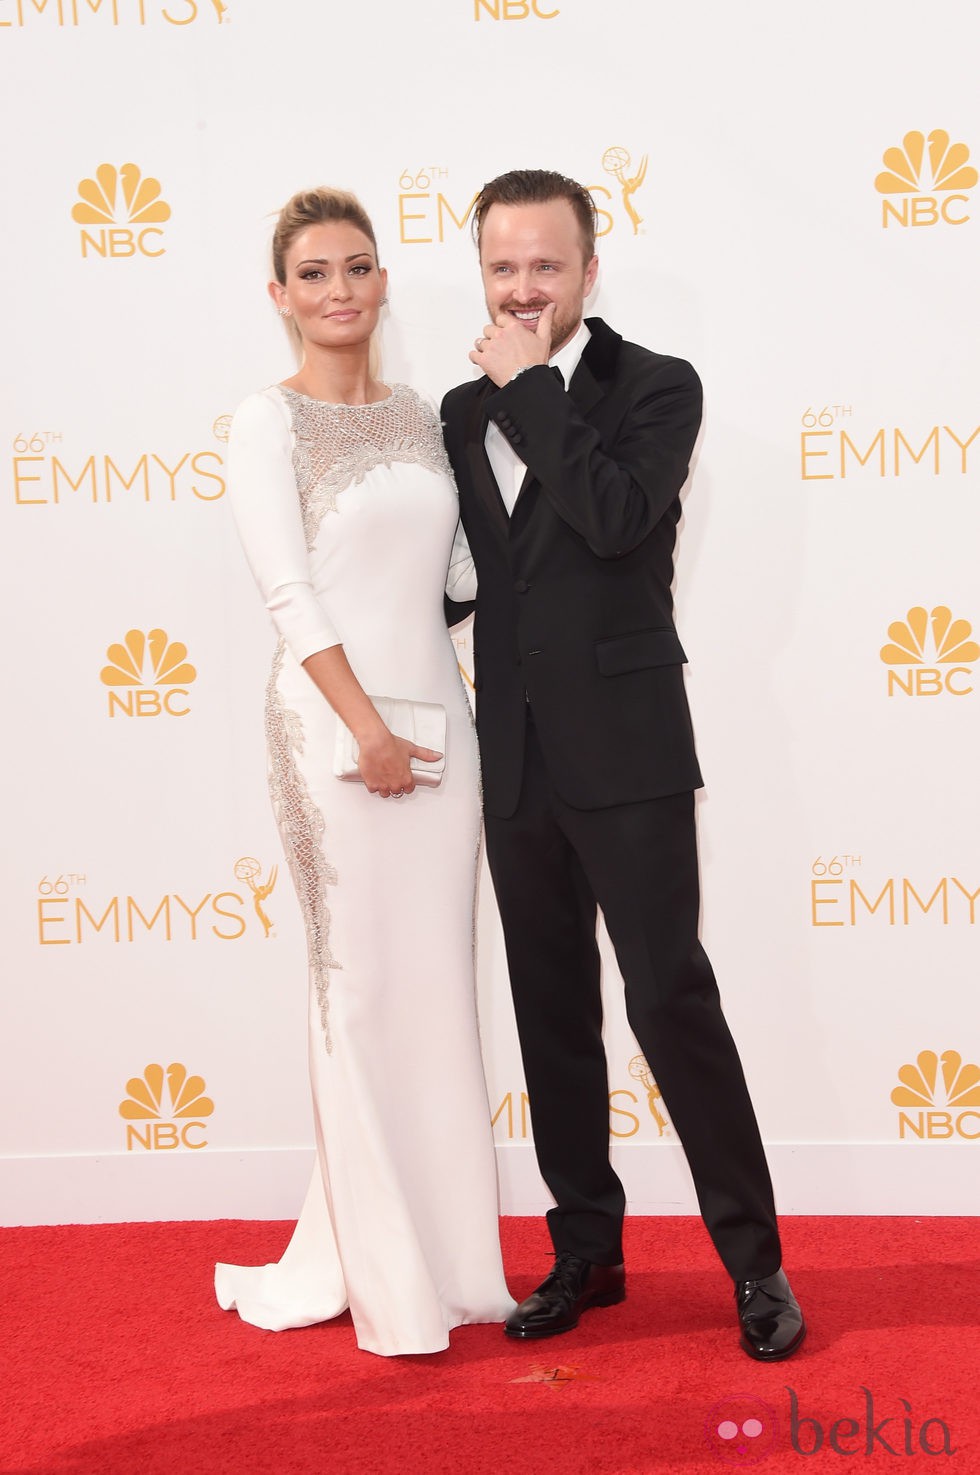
<point>346,509</point>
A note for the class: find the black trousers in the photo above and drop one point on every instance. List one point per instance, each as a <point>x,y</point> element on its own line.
<point>551,865</point>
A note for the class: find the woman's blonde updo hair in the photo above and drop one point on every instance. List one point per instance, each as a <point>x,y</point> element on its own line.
<point>316,207</point>
<point>319,206</point>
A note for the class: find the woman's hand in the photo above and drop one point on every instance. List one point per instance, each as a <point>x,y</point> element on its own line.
<point>383,759</point>
<point>384,762</point>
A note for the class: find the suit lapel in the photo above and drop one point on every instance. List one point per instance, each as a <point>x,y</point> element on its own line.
<point>585,390</point>
<point>590,382</point>
<point>484,482</point>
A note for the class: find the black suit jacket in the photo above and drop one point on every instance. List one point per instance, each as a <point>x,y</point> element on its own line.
<point>574,611</point>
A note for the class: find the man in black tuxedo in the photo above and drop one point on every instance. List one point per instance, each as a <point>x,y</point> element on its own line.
<point>570,456</point>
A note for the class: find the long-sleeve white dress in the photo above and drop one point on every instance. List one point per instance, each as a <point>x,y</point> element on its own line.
<point>347,516</point>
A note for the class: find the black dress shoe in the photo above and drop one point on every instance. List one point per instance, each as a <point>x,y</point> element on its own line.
<point>770,1317</point>
<point>572,1287</point>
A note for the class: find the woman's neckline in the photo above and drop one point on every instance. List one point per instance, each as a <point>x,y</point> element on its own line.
<point>339,404</point>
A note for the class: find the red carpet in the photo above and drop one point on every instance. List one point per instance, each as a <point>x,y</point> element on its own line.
<point>116,1361</point>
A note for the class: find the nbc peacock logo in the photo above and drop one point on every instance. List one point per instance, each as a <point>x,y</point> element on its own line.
<point>924,642</point>
<point>126,210</point>
<point>148,676</point>
<point>930,177</point>
<point>942,1095</point>
<point>164,1109</point>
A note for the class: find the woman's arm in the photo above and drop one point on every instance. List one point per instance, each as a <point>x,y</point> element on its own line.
<point>265,505</point>
<point>383,758</point>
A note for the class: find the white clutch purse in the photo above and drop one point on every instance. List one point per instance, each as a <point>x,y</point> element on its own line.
<point>422,723</point>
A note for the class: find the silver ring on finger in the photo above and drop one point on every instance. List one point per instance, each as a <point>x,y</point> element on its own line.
<point>480,342</point>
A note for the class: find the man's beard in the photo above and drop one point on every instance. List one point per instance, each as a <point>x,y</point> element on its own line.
<point>561,329</point>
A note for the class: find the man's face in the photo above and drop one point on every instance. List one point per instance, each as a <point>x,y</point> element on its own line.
<point>531,255</point>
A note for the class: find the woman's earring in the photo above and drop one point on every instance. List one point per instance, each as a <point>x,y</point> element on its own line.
<point>284,312</point>
<point>384,302</point>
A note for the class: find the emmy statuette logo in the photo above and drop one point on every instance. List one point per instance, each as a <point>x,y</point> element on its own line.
<point>616,161</point>
<point>249,870</point>
<point>641,1072</point>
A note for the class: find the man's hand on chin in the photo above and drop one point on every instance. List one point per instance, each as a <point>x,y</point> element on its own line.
<point>507,345</point>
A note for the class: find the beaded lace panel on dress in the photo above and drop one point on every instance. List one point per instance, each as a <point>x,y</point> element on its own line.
<point>301,827</point>
<point>334,446</point>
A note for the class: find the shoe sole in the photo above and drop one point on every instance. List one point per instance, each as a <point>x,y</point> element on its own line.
<point>774,1356</point>
<point>531,1334</point>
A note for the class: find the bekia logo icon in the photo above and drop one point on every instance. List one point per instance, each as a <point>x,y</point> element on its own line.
<point>741,1430</point>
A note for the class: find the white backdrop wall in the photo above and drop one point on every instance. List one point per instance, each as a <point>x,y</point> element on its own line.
<point>805,232</point>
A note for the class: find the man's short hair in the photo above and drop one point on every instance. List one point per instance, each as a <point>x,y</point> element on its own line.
<point>538,187</point>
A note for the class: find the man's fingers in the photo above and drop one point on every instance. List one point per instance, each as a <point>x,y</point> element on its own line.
<point>543,329</point>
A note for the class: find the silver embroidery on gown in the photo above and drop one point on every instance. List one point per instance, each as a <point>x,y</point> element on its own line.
<point>337,445</point>
<point>301,827</point>
<point>334,447</point>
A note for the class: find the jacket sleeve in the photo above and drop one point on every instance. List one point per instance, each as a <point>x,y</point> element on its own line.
<point>612,496</point>
<point>266,508</point>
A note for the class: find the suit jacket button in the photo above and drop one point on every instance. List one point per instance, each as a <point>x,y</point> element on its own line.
<point>522,586</point>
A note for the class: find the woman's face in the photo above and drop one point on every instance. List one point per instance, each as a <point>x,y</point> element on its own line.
<point>333,286</point>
